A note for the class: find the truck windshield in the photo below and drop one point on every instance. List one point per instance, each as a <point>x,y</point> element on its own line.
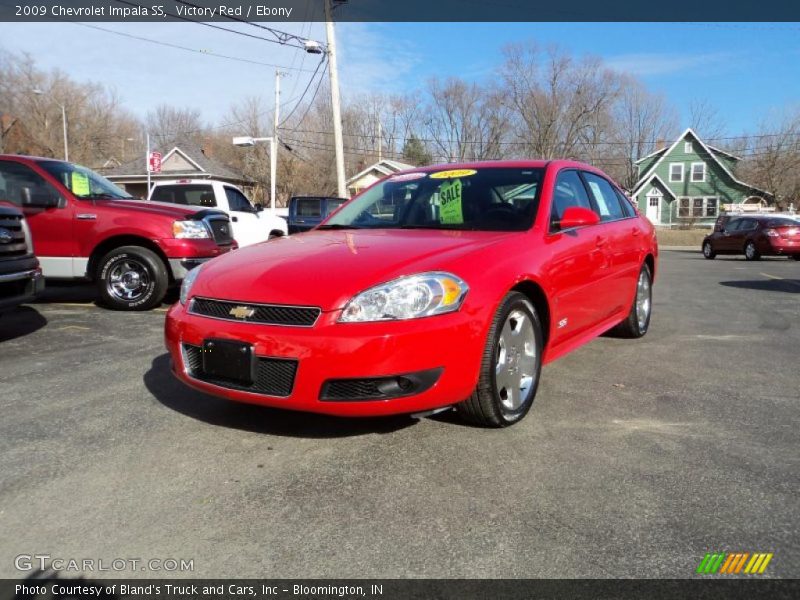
<point>486,199</point>
<point>82,182</point>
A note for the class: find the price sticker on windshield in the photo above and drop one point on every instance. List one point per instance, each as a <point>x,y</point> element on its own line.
<point>80,184</point>
<point>450,203</point>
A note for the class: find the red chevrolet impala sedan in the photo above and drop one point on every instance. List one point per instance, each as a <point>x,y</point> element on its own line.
<point>445,286</point>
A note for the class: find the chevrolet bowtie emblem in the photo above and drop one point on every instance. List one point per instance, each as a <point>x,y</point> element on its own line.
<point>242,312</point>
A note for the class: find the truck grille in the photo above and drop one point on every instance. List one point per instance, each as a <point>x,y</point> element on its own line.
<point>274,376</point>
<point>12,237</point>
<point>220,229</point>
<point>265,314</point>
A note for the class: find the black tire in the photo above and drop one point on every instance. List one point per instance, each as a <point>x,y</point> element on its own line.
<point>131,278</point>
<point>750,251</point>
<point>796,256</point>
<point>708,250</point>
<point>275,234</point>
<point>634,327</point>
<point>486,406</point>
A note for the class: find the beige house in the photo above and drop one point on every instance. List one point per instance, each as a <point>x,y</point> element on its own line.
<point>373,173</point>
<point>180,160</point>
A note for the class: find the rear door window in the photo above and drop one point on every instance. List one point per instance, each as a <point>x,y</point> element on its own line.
<point>309,207</point>
<point>606,200</point>
<point>192,195</point>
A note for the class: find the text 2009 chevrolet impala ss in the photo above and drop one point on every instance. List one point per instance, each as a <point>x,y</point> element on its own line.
<point>443,286</point>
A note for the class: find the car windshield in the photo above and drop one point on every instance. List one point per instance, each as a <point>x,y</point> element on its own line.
<point>81,181</point>
<point>485,199</point>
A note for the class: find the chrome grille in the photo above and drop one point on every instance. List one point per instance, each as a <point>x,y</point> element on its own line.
<point>274,376</point>
<point>266,314</point>
<point>221,229</point>
<point>12,243</point>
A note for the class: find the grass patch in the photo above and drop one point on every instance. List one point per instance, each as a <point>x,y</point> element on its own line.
<point>681,237</point>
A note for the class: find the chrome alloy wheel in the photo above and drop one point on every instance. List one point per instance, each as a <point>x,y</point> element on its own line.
<point>128,280</point>
<point>643,300</point>
<point>515,370</point>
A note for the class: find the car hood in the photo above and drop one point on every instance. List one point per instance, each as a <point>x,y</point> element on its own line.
<point>166,209</point>
<point>326,268</point>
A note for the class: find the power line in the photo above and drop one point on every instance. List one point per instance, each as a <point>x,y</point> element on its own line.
<point>171,45</point>
<point>213,26</point>
<point>310,102</point>
<point>282,37</point>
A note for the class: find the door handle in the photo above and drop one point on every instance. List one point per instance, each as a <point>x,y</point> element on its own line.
<point>601,241</point>
<point>235,219</point>
<point>635,231</point>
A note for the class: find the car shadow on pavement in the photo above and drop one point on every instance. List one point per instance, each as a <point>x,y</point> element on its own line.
<point>791,286</point>
<point>173,394</point>
<point>19,322</point>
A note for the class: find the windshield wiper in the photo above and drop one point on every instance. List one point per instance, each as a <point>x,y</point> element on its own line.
<point>105,196</point>
<point>339,226</point>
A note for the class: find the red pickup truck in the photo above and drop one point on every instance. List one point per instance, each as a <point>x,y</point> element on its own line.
<point>83,226</point>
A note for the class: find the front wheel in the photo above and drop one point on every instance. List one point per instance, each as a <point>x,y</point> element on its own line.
<point>708,250</point>
<point>511,365</point>
<point>637,322</point>
<point>131,278</point>
<point>750,251</point>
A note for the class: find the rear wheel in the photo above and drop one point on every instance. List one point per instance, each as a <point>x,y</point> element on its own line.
<point>511,365</point>
<point>750,251</point>
<point>708,250</point>
<point>637,322</point>
<point>796,256</point>
<point>131,278</point>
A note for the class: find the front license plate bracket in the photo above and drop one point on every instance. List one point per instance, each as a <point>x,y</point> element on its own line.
<point>229,360</point>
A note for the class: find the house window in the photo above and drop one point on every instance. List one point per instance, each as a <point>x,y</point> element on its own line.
<point>698,171</point>
<point>675,172</point>
<point>687,148</point>
<point>697,208</point>
<point>653,201</point>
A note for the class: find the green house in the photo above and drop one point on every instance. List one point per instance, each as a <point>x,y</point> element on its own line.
<point>691,183</point>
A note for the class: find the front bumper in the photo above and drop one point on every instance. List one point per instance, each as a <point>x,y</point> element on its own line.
<point>449,345</point>
<point>19,288</point>
<point>186,254</point>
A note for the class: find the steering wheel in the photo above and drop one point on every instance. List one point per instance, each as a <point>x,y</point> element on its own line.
<point>501,212</point>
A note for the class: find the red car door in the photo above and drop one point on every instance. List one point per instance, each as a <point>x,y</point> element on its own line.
<point>578,263</point>
<point>620,230</point>
<point>51,228</point>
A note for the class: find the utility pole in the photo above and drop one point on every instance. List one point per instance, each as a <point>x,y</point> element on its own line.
<point>64,122</point>
<point>380,141</point>
<point>147,165</point>
<point>335,102</point>
<point>273,155</point>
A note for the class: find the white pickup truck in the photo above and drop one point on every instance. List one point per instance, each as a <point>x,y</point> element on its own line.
<point>251,224</point>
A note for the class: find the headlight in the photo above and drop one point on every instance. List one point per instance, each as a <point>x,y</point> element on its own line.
<point>188,281</point>
<point>409,297</point>
<point>190,230</point>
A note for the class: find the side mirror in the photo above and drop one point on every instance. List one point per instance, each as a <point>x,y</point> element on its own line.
<point>259,208</point>
<point>40,197</point>
<point>577,216</point>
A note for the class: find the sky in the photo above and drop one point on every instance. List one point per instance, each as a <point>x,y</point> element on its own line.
<point>747,71</point>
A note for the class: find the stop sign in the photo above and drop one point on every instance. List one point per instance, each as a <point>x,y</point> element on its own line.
<point>154,162</point>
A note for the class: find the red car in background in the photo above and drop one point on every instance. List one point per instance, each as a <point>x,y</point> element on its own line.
<point>754,236</point>
<point>443,286</point>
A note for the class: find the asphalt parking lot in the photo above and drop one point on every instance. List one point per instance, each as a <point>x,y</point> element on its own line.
<point>637,458</point>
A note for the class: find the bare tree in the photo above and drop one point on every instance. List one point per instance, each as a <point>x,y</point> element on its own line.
<point>773,158</point>
<point>167,123</point>
<point>705,120</point>
<point>641,120</point>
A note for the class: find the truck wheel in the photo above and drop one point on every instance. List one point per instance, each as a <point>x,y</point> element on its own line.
<point>511,365</point>
<point>131,278</point>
